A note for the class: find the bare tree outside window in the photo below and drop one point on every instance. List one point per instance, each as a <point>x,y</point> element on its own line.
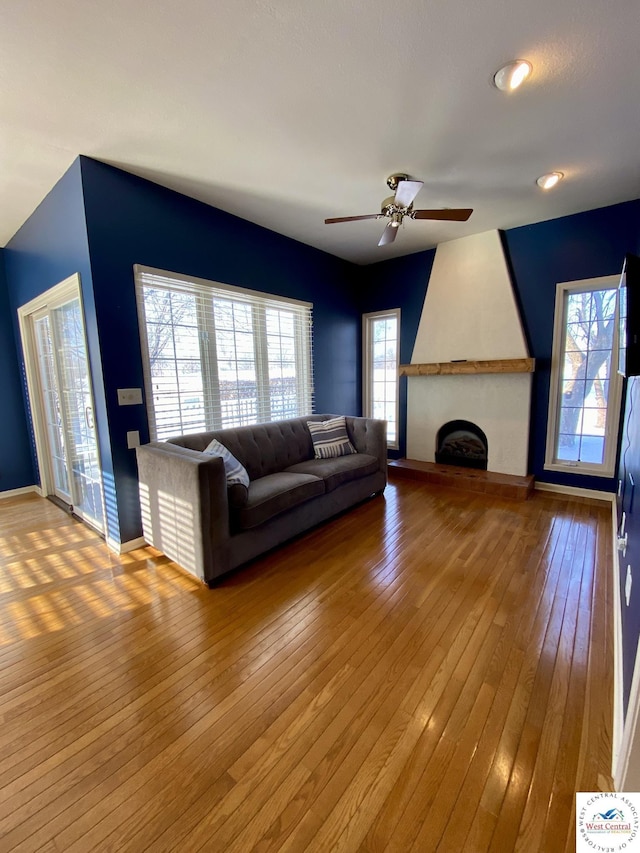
<point>163,310</point>
<point>173,345</point>
<point>590,323</point>
<point>585,390</point>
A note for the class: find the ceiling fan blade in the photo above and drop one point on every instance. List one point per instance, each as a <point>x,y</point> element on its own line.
<point>351,218</point>
<point>388,235</point>
<point>460,214</point>
<point>406,192</point>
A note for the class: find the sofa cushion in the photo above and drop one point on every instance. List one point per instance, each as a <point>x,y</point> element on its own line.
<point>334,472</point>
<point>237,477</point>
<point>276,493</point>
<point>330,438</point>
<point>271,447</point>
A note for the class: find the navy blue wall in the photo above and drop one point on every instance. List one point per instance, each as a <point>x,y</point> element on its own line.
<point>16,468</point>
<point>398,283</point>
<point>130,220</point>
<point>51,246</point>
<point>585,245</point>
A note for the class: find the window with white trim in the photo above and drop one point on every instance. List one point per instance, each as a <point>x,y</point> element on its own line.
<point>219,356</point>
<point>381,344</point>
<point>585,392</point>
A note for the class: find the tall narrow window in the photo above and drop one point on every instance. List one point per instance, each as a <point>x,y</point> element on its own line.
<point>381,337</point>
<point>219,356</point>
<point>584,400</point>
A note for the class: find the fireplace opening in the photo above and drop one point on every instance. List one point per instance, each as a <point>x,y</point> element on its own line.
<point>462,443</point>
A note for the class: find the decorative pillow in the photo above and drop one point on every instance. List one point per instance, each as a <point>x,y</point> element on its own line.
<point>330,438</point>
<point>237,477</point>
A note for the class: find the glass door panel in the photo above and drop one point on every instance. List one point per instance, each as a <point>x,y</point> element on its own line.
<point>51,407</point>
<point>66,407</point>
<point>77,411</point>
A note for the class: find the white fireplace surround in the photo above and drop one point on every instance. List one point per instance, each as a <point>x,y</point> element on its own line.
<point>470,312</point>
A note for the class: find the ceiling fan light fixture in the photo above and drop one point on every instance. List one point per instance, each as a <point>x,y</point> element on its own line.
<point>399,205</point>
<point>512,75</point>
<point>546,182</point>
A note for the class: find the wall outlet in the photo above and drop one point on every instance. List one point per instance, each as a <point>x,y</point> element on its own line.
<point>627,585</point>
<point>133,439</point>
<point>129,396</point>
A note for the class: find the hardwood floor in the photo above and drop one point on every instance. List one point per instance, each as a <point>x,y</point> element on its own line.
<point>429,672</point>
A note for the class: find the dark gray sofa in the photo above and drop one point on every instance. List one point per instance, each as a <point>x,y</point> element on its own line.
<point>188,512</point>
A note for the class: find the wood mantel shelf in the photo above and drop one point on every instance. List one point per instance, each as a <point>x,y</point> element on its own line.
<point>451,368</point>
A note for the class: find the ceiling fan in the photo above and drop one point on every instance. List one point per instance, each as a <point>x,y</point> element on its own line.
<point>397,206</point>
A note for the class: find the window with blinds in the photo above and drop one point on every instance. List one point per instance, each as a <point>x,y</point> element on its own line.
<point>219,356</point>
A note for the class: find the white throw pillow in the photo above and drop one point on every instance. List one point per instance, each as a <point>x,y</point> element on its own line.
<point>235,471</point>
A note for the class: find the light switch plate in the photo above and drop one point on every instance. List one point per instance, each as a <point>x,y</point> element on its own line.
<point>133,439</point>
<point>129,396</point>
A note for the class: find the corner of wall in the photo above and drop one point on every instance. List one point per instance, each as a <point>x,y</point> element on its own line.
<point>16,462</point>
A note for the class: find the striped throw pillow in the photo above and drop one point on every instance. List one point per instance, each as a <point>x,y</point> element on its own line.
<point>330,438</point>
<point>235,471</point>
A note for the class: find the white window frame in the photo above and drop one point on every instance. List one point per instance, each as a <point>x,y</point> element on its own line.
<point>367,362</point>
<point>607,467</point>
<point>260,301</point>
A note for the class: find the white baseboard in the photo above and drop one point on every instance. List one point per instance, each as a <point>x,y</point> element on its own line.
<point>125,547</point>
<point>25,490</point>
<point>577,492</point>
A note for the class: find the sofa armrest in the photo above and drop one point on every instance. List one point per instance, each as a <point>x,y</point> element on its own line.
<point>185,511</point>
<point>369,435</point>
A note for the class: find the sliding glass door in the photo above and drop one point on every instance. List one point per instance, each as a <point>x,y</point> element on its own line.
<point>62,403</point>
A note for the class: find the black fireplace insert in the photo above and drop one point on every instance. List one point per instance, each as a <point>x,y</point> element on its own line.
<point>462,443</point>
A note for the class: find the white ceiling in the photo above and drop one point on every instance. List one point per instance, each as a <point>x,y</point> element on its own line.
<point>286,112</point>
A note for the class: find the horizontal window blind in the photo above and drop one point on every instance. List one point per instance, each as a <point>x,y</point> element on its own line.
<point>219,356</point>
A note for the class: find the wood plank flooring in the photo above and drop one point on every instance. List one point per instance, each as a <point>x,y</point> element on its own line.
<point>429,672</point>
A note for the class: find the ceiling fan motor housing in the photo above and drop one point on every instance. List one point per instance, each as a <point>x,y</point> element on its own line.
<point>394,180</point>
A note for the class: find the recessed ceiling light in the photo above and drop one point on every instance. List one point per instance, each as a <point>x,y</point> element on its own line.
<point>511,75</point>
<point>549,180</point>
